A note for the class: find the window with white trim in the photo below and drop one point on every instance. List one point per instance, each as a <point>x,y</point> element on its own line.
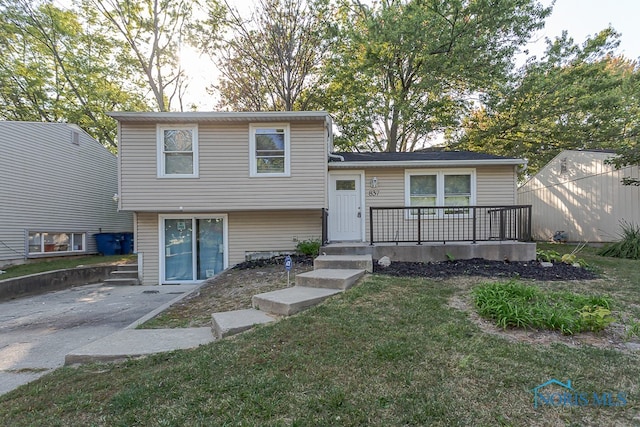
<point>269,146</point>
<point>454,188</point>
<point>177,151</point>
<point>40,242</point>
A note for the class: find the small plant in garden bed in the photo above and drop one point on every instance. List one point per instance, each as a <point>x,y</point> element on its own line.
<point>309,247</point>
<point>514,304</point>
<point>550,255</point>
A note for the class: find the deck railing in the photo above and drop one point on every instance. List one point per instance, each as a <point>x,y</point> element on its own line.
<point>449,224</point>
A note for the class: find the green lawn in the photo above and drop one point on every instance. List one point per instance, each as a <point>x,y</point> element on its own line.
<point>61,264</point>
<point>391,351</point>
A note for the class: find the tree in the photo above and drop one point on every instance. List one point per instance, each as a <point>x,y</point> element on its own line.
<point>271,61</point>
<point>404,70</point>
<point>577,97</point>
<point>55,68</point>
<point>154,31</point>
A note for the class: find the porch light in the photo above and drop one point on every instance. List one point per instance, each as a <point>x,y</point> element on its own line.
<point>374,182</point>
<point>115,198</point>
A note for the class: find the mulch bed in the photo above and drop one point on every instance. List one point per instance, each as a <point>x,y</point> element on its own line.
<point>485,268</point>
<point>470,267</point>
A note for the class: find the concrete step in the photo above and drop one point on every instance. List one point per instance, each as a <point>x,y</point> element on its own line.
<point>118,274</point>
<point>122,282</point>
<point>355,262</point>
<point>347,249</point>
<point>128,267</point>
<point>289,301</point>
<point>330,278</point>
<point>233,322</point>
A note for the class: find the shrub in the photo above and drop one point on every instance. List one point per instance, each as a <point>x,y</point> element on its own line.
<point>309,247</point>
<point>629,244</point>
<point>514,304</point>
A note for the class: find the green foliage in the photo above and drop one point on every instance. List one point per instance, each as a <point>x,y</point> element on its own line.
<point>576,97</point>
<point>595,317</point>
<point>548,255</point>
<point>58,66</point>
<point>153,32</point>
<point>514,304</point>
<point>271,61</point>
<point>632,329</point>
<point>309,247</point>
<point>629,244</point>
<point>402,71</point>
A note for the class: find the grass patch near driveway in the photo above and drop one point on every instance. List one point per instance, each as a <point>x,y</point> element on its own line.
<point>390,351</point>
<point>63,263</point>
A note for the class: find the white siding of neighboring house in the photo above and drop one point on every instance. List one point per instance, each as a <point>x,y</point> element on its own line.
<point>587,201</point>
<point>49,184</point>
<point>224,183</point>
<point>249,232</point>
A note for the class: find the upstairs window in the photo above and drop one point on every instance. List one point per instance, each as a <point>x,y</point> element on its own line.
<point>269,148</point>
<point>178,151</point>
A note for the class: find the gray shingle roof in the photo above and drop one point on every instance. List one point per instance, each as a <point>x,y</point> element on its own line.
<point>452,156</point>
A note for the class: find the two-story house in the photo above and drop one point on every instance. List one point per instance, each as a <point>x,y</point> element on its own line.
<point>210,188</point>
<point>57,186</point>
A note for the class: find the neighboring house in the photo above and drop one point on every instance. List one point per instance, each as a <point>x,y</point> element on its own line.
<point>57,186</point>
<point>209,189</point>
<point>579,194</point>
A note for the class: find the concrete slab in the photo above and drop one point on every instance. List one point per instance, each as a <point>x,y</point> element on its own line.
<point>329,278</point>
<point>36,332</point>
<point>355,262</point>
<point>131,343</point>
<point>233,322</point>
<point>291,300</point>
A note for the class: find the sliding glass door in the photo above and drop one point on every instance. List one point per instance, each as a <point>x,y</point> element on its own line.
<point>194,248</point>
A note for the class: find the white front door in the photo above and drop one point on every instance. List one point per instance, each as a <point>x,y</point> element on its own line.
<point>345,208</point>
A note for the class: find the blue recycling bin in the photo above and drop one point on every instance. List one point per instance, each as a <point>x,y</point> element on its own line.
<point>108,243</point>
<point>126,243</point>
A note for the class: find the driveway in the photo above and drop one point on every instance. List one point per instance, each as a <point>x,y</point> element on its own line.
<point>37,332</point>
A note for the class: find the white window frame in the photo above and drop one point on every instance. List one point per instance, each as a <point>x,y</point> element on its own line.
<point>161,246</point>
<point>50,253</point>
<point>440,174</point>
<point>161,153</point>
<point>253,164</point>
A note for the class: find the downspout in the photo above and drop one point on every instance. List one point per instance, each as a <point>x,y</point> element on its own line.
<point>329,127</point>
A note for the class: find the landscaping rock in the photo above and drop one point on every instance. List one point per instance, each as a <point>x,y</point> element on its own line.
<point>385,261</point>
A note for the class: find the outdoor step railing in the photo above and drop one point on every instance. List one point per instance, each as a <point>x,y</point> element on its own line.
<point>449,224</point>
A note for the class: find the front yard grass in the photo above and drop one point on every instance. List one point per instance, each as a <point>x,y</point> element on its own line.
<point>390,351</point>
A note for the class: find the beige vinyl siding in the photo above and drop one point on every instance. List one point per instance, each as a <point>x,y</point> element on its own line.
<point>270,231</point>
<point>49,184</point>
<point>495,185</point>
<point>248,232</point>
<point>587,202</point>
<point>224,183</point>
<point>148,247</point>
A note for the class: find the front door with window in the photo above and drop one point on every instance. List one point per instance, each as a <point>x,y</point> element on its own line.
<point>194,248</point>
<point>345,208</point>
